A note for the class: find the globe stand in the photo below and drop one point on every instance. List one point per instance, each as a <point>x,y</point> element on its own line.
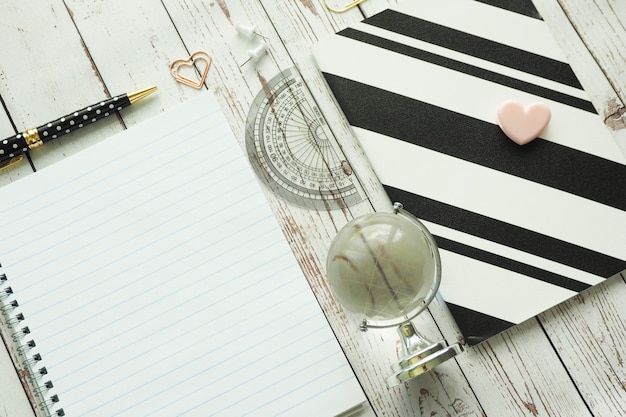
<point>387,267</point>
<point>422,355</point>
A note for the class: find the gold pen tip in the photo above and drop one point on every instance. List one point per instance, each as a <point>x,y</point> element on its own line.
<point>135,96</point>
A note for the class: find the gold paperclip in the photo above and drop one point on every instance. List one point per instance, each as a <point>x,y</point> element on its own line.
<point>345,8</point>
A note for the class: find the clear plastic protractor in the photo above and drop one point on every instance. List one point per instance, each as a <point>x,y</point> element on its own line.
<point>293,150</point>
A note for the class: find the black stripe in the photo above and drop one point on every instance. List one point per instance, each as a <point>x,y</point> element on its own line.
<point>507,234</point>
<point>480,142</point>
<point>468,69</point>
<point>511,265</point>
<point>525,7</point>
<point>475,46</point>
<point>477,327</point>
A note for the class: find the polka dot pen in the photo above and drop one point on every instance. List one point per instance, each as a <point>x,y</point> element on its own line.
<point>12,149</point>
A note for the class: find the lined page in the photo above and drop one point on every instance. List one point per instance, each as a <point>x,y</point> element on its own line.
<point>156,281</point>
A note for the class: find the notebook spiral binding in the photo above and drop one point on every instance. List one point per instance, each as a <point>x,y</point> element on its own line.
<point>19,332</point>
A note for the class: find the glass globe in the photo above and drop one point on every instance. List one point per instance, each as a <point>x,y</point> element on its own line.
<point>385,266</point>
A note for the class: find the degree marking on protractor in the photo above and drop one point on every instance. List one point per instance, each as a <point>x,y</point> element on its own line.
<point>293,150</point>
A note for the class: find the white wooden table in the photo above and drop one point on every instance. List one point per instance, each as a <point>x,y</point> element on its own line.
<point>59,55</point>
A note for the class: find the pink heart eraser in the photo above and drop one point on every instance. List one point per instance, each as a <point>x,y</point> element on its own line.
<point>522,125</point>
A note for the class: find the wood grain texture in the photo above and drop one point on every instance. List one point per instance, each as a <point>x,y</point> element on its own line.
<point>592,35</point>
<point>589,334</point>
<point>601,25</point>
<point>13,399</point>
<point>37,86</point>
<point>517,373</point>
<point>567,362</point>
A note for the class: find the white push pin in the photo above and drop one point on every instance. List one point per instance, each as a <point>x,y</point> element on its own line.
<point>249,31</point>
<point>256,53</point>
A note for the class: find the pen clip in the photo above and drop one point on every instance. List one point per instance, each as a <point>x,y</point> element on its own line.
<point>11,161</point>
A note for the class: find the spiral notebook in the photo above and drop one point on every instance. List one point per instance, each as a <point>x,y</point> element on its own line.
<point>520,228</point>
<point>147,276</point>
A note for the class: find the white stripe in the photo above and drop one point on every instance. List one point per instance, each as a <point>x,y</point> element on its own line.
<point>502,25</point>
<point>461,93</point>
<point>495,194</point>
<point>495,291</point>
<point>512,253</point>
<point>471,60</point>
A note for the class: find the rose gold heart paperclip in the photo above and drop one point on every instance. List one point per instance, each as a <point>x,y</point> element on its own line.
<point>195,60</point>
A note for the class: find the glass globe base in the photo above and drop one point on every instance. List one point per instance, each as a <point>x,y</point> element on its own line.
<point>422,355</point>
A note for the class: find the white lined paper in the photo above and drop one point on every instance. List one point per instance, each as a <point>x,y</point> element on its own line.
<point>156,281</point>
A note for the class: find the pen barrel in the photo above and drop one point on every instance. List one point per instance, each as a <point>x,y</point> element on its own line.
<point>12,147</point>
<point>81,118</point>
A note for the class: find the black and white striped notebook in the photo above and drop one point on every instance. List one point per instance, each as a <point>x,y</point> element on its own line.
<point>520,228</point>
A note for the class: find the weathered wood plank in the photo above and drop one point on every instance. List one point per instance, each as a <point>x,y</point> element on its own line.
<point>589,333</point>
<point>601,26</point>
<point>47,72</point>
<point>13,399</point>
<point>593,36</point>
<point>132,51</point>
<point>516,373</point>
